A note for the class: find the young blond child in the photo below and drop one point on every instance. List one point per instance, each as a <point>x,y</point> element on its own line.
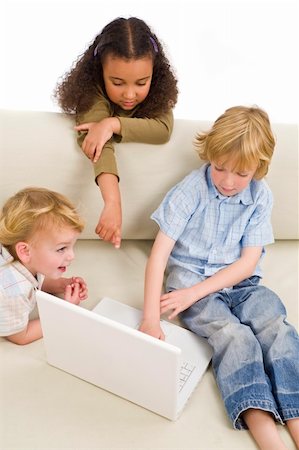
<point>213,228</point>
<point>38,231</point>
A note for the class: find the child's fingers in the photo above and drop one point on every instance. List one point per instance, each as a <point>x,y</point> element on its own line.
<point>117,239</point>
<point>83,290</point>
<point>89,150</point>
<point>174,314</point>
<point>68,293</point>
<point>97,153</point>
<point>83,295</point>
<point>101,230</point>
<point>82,127</point>
<point>78,280</point>
<point>107,235</point>
<point>75,290</point>
<point>75,297</point>
<point>71,293</point>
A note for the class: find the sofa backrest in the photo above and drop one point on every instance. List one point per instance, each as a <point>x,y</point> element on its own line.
<point>40,149</point>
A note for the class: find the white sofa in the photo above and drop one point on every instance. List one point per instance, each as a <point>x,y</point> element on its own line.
<point>43,408</point>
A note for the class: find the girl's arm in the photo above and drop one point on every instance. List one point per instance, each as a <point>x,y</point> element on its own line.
<point>129,129</point>
<point>147,131</point>
<point>98,133</point>
<point>154,276</point>
<point>179,300</point>
<point>109,225</point>
<point>94,128</point>
<point>31,333</point>
<point>99,111</point>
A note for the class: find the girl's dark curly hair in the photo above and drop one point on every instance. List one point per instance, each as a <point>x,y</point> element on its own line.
<point>128,39</point>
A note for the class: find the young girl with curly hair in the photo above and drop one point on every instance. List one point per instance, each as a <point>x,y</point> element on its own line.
<point>122,89</point>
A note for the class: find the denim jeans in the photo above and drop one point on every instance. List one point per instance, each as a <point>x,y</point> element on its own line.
<point>256,351</point>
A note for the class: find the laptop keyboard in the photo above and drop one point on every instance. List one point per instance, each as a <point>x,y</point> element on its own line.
<point>185,372</point>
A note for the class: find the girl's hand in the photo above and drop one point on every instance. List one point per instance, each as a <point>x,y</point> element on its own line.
<point>98,133</point>
<point>153,329</point>
<point>76,291</point>
<point>109,226</point>
<point>177,301</point>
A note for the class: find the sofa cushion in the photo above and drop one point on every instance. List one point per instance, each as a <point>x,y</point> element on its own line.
<point>39,148</point>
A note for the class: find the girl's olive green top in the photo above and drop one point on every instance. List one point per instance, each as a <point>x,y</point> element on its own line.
<point>148,131</point>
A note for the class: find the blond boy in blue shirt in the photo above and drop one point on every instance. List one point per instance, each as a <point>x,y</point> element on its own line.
<point>213,228</point>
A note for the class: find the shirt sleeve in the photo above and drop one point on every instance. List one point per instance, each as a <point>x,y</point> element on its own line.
<point>14,314</point>
<point>177,207</point>
<point>147,131</point>
<point>258,231</point>
<point>107,161</point>
<point>98,111</point>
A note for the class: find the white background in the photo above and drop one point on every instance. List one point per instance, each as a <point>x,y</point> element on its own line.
<point>224,52</point>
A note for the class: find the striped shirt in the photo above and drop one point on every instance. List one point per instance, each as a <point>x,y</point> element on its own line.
<point>210,229</point>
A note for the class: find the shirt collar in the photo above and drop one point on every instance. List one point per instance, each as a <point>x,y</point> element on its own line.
<point>7,258</point>
<point>244,197</point>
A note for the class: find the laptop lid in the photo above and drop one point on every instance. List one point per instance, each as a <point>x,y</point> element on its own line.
<point>110,355</point>
<point>195,354</point>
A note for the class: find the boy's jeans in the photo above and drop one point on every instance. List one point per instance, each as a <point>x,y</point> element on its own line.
<point>256,352</point>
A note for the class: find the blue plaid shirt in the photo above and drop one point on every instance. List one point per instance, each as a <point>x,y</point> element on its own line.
<point>210,229</point>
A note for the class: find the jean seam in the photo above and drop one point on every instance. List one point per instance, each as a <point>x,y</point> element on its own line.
<point>264,405</point>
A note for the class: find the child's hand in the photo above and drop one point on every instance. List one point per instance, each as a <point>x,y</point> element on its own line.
<point>76,290</point>
<point>109,226</point>
<point>96,138</point>
<point>177,301</point>
<point>83,291</point>
<point>98,133</point>
<point>153,329</point>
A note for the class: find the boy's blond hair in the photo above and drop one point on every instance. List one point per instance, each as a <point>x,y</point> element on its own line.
<point>242,135</point>
<point>34,209</point>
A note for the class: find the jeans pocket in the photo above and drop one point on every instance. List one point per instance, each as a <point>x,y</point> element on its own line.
<point>251,281</point>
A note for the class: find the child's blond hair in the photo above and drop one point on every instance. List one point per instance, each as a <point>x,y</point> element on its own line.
<point>242,134</point>
<point>33,209</point>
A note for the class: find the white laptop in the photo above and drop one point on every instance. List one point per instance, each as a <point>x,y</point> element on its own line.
<point>104,347</point>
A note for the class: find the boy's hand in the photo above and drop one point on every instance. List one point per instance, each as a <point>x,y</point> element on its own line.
<point>109,226</point>
<point>76,290</point>
<point>177,301</point>
<point>83,291</point>
<point>153,329</point>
